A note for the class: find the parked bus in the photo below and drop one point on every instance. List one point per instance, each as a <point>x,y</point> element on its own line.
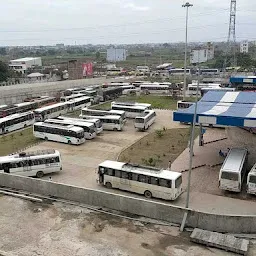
<point>208,71</point>
<point>233,170</point>
<point>98,128</point>
<point>251,181</point>
<point>16,122</point>
<point>97,112</point>
<point>145,120</point>
<point>192,88</point>
<point>78,103</point>
<point>71,97</point>
<point>179,71</point>
<point>155,88</point>
<point>89,132</point>
<point>111,122</point>
<point>184,104</point>
<point>130,111</point>
<point>66,134</point>
<point>11,110</point>
<point>122,103</point>
<point>110,93</point>
<point>32,164</point>
<point>42,100</point>
<point>151,182</point>
<point>3,106</point>
<point>51,111</point>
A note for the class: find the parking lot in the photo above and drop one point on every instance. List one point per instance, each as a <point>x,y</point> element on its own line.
<point>80,166</point>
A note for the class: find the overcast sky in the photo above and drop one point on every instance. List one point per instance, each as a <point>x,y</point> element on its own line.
<point>47,22</point>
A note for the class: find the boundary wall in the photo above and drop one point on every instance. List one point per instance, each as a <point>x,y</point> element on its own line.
<point>17,93</point>
<point>141,207</point>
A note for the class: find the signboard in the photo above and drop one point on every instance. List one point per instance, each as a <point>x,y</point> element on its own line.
<point>248,80</point>
<point>87,69</point>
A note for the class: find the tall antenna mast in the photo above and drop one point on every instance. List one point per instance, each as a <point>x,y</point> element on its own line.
<point>231,43</point>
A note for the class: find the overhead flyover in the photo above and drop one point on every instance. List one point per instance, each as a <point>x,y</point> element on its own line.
<point>222,108</point>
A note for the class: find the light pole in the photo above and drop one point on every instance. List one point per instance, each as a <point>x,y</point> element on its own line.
<point>186,5</point>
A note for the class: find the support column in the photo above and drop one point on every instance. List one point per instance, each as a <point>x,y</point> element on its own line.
<point>201,135</point>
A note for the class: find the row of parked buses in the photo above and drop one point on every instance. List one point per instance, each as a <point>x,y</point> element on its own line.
<point>25,118</point>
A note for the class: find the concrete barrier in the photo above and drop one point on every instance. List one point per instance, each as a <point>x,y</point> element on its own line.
<point>146,208</point>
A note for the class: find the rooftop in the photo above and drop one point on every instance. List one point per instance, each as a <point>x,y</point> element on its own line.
<point>26,59</point>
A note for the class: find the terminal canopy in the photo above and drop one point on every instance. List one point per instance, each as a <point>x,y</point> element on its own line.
<point>222,108</point>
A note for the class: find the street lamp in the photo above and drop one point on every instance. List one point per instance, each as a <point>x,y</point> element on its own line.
<point>186,5</point>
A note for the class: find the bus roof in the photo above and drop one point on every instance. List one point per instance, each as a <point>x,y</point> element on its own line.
<point>24,104</point>
<point>78,99</point>
<point>7,118</point>
<point>162,174</point>
<point>70,127</point>
<point>145,113</point>
<point>142,107</point>
<point>69,122</point>
<point>114,117</point>
<point>232,162</point>
<point>50,107</point>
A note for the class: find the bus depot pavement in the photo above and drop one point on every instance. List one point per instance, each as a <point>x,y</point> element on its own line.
<point>80,166</point>
<point>62,230</point>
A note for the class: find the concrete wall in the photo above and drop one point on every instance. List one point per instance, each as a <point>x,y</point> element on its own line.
<point>17,93</point>
<point>150,209</point>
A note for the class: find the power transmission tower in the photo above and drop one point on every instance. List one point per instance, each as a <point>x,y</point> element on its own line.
<point>231,43</point>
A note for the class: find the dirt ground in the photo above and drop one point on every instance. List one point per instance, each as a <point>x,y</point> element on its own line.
<point>29,229</point>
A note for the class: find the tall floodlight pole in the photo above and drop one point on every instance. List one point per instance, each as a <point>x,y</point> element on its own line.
<point>186,5</point>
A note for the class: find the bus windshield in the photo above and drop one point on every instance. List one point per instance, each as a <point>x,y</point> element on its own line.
<point>252,179</point>
<point>229,176</point>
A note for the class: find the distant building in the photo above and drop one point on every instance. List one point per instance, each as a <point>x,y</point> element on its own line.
<point>115,55</point>
<point>202,54</point>
<point>22,65</point>
<point>244,47</point>
<point>60,46</point>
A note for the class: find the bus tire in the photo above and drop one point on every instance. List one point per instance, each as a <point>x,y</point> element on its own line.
<point>115,129</point>
<point>25,125</point>
<point>148,194</point>
<point>108,185</point>
<point>39,174</point>
<point>69,142</point>
<point>46,138</point>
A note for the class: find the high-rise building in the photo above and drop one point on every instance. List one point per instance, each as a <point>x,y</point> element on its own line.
<point>244,47</point>
<point>202,54</point>
<point>115,55</point>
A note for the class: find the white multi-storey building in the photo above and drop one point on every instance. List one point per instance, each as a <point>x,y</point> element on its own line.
<point>244,47</point>
<point>115,55</point>
<point>21,65</point>
<point>202,54</point>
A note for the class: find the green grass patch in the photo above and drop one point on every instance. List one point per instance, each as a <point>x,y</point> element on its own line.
<point>16,141</point>
<point>163,102</point>
<point>158,148</point>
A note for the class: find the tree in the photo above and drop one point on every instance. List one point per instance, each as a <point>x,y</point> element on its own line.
<point>97,55</point>
<point>3,51</point>
<point>4,72</point>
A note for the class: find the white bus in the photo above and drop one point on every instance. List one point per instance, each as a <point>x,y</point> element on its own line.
<point>97,112</point>
<point>233,170</point>
<point>192,88</point>
<point>131,111</point>
<point>147,181</point>
<point>71,97</point>
<point>16,122</point>
<point>155,88</point>
<point>51,111</point>
<point>179,71</point>
<point>32,164</point>
<point>78,103</point>
<point>251,181</point>
<point>89,132</point>
<point>184,104</point>
<point>144,121</point>
<point>3,106</point>
<point>111,122</point>
<point>208,71</point>
<point>97,125</point>
<point>130,104</point>
<point>66,134</point>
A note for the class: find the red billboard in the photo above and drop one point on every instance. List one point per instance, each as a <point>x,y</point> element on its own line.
<point>87,69</point>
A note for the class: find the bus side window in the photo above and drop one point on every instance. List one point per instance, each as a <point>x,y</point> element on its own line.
<point>143,178</point>
<point>118,173</point>
<point>124,175</point>
<point>110,172</point>
<point>135,176</point>
<point>164,183</point>
<point>154,181</point>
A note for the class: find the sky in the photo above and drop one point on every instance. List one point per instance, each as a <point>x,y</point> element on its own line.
<point>47,22</point>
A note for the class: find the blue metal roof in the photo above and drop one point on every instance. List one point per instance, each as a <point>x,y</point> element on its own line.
<point>222,108</point>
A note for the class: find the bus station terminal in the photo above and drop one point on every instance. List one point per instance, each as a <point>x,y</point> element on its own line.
<point>236,112</point>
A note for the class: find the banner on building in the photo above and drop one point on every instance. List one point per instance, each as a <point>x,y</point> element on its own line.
<point>87,69</point>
